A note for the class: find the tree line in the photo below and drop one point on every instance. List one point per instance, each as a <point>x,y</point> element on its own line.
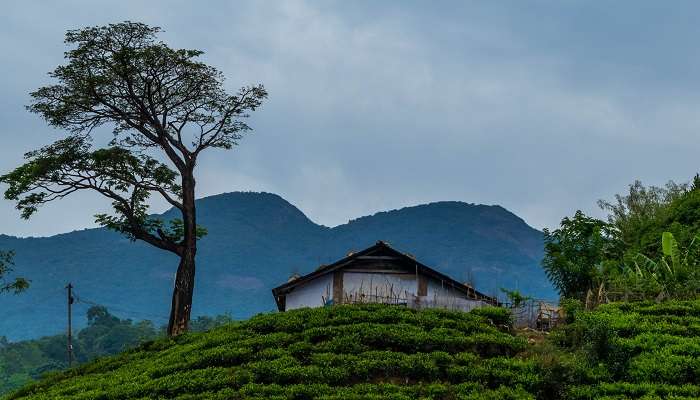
<point>105,334</point>
<point>648,247</point>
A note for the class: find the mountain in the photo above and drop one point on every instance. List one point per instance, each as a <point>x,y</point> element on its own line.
<point>255,241</point>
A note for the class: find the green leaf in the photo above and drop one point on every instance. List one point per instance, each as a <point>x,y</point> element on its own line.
<point>667,243</point>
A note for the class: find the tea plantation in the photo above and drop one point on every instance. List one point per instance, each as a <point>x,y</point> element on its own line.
<point>619,351</point>
<point>343,352</point>
<point>637,350</point>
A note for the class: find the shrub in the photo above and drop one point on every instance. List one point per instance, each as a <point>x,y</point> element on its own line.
<point>340,352</point>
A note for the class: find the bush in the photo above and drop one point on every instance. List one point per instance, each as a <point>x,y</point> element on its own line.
<point>340,352</point>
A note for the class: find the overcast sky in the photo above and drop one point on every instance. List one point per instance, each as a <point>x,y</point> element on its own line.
<point>542,107</point>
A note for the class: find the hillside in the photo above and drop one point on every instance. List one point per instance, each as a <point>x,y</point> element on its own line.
<point>636,350</point>
<point>342,352</point>
<point>255,241</point>
<point>619,351</point>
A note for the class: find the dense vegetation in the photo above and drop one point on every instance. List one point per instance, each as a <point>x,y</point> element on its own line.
<point>341,352</point>
<point>648,248</point>
<point>634,350</point>
<point>22,362</point>
<point>619,351</point>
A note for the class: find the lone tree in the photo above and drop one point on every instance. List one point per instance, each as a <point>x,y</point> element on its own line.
<point>164,107</point>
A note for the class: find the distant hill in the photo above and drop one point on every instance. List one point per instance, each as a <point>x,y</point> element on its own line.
<point>255,241</point>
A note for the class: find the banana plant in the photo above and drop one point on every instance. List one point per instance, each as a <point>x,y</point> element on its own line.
<point>676,274</point>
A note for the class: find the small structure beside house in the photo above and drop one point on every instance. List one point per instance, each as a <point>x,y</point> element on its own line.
<point>378,274</point>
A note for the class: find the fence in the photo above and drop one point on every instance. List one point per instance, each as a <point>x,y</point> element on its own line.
<point>535,314</point>
<point>445,300</point>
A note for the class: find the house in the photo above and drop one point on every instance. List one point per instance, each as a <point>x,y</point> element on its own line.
<point>378,274</point>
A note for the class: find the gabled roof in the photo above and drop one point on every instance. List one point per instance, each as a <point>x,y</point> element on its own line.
<point>382,247</point>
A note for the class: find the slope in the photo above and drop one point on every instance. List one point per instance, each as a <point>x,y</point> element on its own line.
<point>344,352</point>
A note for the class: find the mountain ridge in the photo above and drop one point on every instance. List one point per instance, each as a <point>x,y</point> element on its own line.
<point>255,241</point>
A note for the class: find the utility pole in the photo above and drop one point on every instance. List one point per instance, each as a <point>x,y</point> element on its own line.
<point>70,323</point>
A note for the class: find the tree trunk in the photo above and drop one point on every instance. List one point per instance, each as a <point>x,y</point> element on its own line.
<point>181,306</point>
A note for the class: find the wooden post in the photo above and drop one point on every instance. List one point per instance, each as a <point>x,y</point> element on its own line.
<point>70,324</point>
<point>338,287</point>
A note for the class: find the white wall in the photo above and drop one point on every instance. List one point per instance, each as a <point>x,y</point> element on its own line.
<point>378,283</point>
<point>310,294</point>
<point>437,289</point>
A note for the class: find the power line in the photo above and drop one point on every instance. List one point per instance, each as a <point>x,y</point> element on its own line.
<point>52,295</point>
<point>133,313</point>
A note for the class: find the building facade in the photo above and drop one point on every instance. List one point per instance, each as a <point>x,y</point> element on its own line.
<point>378,274</point>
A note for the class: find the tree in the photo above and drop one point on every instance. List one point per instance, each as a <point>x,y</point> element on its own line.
<point>515,298</point>
<point>164,108</point>
<point>641,215</point>
<point>16,285</point>
<point>576,254</point>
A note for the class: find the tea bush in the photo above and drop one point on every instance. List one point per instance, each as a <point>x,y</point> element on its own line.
<point>649,350</point>
<point>620,351</point>
<point>341,352</point>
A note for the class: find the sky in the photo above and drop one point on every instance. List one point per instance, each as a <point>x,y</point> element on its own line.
<point>543,107</point>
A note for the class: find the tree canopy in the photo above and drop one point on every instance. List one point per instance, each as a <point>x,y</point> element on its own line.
<point>647,249</point>
<point>575,253</point>
<point>164,108</point>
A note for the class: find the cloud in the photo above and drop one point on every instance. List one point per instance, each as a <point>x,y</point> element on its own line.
<point>541,108</point>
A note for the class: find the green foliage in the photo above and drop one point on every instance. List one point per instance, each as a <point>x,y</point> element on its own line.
<point>647,249</point>
<point>648,350</point>
<point>16,285</point>
<point>576,252</point>
<point>162,104</point>
<point>120,75</point>
<point>22,362</point>
<point>495,315</point>
<point>620,351</point>
<point>71,165</point>
<point>341,352</point>
<point>515,298</point>
<point>675,275</point>
<point>571,307</point>
<point>641,215</point>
